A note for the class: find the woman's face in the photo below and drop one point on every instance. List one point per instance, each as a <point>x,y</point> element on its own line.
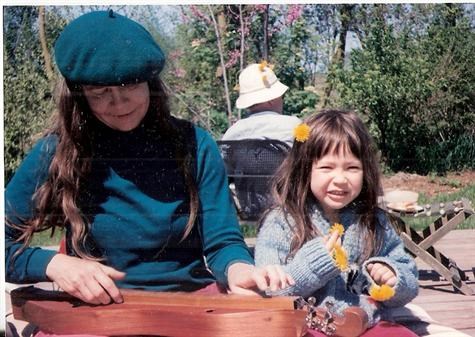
<point>119,107</point>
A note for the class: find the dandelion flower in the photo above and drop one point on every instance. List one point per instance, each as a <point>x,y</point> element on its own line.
<point>301,132</point>
<point>340,257</point>
<point>338,228</point>
<point>381,293</point>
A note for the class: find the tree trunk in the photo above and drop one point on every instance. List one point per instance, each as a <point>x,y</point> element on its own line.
<point>265,28</point>
<point>243,47</point>
<point>345,14</point>
<point>44,45</point>
<point>451,15</point>
<point>221,58</point>
<point>241,54</point>
<point>339,57</point>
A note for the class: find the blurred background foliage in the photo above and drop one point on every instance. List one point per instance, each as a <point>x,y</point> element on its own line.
<point>407,69</point>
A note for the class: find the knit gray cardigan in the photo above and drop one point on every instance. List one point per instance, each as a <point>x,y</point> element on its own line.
<point>316,274</point>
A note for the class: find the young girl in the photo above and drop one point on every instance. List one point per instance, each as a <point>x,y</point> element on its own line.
<point>142,196</point>
<point>331,177</point>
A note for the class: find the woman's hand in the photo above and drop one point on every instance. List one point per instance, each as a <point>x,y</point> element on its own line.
<point>381,274</point>
<point>246,279</point>
<point>90,281</point>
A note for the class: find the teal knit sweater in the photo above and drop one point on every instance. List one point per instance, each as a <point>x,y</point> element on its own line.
<point>316,274</point>
<point>137,204</point>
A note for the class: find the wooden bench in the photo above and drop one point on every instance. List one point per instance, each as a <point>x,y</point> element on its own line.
<point>448,216</point>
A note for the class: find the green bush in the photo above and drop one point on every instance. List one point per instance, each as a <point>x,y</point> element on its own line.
<point>415,90</point>
<point>300,102</point>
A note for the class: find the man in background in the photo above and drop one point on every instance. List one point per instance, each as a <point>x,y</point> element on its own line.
<point>261,93</point>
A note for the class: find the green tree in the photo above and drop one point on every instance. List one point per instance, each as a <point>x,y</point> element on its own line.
<point>290,47</point>
<point>293,52</point>
<point>27,90</point>
<point>416,91</point>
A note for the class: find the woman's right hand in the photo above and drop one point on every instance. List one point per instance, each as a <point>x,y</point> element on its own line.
<point>90,281</point>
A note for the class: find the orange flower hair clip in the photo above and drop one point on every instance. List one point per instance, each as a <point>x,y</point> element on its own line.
<point>301,132</point>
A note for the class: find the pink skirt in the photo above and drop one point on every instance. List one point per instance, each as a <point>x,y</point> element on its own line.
<point>385,329</point>
<point>382,329</point>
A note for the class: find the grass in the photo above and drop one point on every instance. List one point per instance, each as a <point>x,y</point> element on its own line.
<point>250,230</point>
<point>467,192</point>
<point>45,238</point>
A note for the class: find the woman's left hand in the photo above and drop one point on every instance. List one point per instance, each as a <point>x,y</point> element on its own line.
<point>246,279</point>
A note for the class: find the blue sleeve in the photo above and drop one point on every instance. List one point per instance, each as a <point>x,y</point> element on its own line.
<point>311,267</point>
<point>393,254</point>
<point>223,243</point>
<point>30,265</point>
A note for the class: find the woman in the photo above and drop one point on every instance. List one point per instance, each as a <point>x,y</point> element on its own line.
<point>142,196</point>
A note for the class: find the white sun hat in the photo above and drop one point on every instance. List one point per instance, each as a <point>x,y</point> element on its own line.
<point>257,84</point>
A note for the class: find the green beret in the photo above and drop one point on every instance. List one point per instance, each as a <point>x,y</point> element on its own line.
<point>104,48</point>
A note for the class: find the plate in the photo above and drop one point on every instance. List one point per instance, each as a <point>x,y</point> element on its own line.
<point>401,196</point>
<point>404,207</point>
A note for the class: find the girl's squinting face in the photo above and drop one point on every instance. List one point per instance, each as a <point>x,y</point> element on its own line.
<point>119,107</point>
<point>336,180</point>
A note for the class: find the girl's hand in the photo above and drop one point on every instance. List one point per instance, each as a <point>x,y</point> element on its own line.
<point>381,274</point>
<point>246,279</point>
<point>331,240</point>
<point>90,281</point>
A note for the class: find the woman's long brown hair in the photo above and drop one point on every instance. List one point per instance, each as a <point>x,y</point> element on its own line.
<point>330,131</point>
<point>56,200</point>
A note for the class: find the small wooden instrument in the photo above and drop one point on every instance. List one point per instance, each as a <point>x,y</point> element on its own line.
<point>181,314</point>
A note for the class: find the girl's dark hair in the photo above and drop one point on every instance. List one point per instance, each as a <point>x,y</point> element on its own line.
<point>330,131</point>
<point>56,201</point>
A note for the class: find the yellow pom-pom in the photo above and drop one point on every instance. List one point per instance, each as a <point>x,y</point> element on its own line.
<point>381,293</point>
<point>262,65</point>
<point>265,81</point>
<point>338,227</point>
<point>301,132</point>
<point>340,257</point>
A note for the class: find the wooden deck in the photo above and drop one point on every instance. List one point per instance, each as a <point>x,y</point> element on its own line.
<point>437,296</point>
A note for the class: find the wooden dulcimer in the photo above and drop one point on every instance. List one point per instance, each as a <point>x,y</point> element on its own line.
<point>180,314</point>
<point>161,313</point>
